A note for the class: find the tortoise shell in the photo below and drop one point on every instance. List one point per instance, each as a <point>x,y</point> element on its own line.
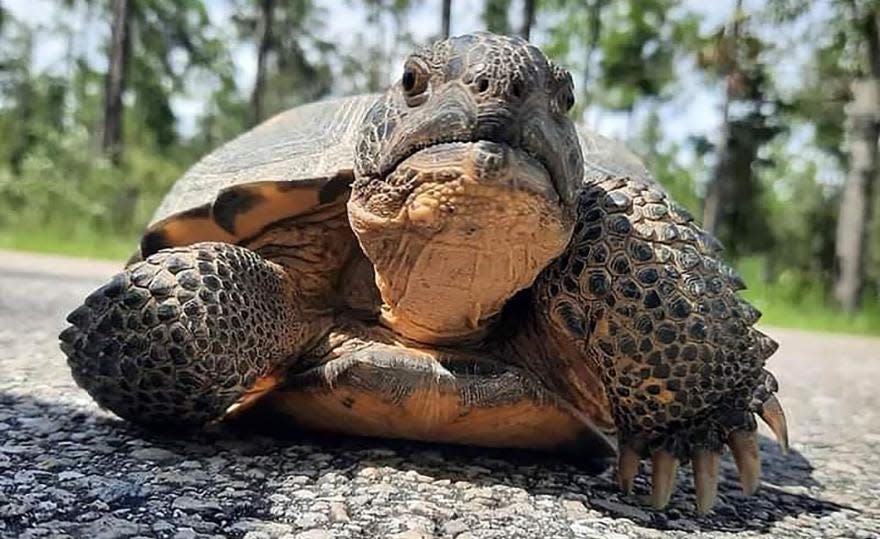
<point>292,163</point>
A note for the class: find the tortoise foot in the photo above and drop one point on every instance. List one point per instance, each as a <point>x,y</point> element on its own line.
<point>177,339</point>
<point>701,442</point>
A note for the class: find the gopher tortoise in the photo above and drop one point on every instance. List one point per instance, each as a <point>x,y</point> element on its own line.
<point>449,261</point>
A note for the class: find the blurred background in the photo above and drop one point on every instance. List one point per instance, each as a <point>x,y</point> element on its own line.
<point>761,117</point>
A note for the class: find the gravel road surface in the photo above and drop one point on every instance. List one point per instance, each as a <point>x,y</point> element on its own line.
<point>68,468</point>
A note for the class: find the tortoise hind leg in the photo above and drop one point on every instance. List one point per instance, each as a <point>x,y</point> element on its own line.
<point>179,338</point>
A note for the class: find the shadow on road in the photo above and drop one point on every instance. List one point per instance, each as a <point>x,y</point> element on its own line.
<point>591,483</point>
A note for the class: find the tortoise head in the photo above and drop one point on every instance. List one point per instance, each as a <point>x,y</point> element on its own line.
<point>466,177</point>
<point>476,88</point>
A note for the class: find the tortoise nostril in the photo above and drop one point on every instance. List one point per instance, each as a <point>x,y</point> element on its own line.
<point>482,84</point>
<point>516,89</point>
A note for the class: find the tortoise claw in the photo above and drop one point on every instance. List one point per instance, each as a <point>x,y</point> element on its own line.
<point>773,414</point>
<point>627,468</point>
<point>705,461</point>
<point>705,464</point>
<point>664,467</point>
<point>744,446</point>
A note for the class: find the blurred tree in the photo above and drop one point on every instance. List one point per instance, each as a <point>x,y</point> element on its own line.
<point>153,45</point>
<point>16,84</point>
<point>624,51</point>
<point>660,156</point>
<point>31,104</point>
<point>265,22</point>
<point>803,211</point>
<point>844,82</point>
<point>371,64</point>
<point>528,19</point>
<point>446,18</point>
<point>284,31</point>
<point>732,209</point>
<point>495,16</point>
<point>114,86</point>
<point>863,127</point>
<point>226,115</point>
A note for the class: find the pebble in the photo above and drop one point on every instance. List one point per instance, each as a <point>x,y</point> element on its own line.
<point>338,513</point>
<point>154,454</point>
<point>314,534</point>
<point>187,503</point>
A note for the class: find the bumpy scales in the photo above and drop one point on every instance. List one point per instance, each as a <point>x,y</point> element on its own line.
<point>187,333</point>
<point>448,261</point>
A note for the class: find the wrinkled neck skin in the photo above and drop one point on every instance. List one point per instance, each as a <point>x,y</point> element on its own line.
<point>453,233</point>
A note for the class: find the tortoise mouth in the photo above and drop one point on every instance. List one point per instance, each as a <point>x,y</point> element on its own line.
<point>484,161</point>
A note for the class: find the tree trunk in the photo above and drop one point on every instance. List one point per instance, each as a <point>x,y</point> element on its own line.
<point>267,13</point>
<point>528,19</point>
<point>716,194</point>
<point>595,32</point>
<point>854,217</point>
<point>114,84</point>
<point>447,16</point>
<point>855,204</point>
<point>495,16</point>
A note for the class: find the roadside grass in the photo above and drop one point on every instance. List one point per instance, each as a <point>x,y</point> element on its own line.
<point>80,242</point>
<point>801,302</point>
<point>790,301</point>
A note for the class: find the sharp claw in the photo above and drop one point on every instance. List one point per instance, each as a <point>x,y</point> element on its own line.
<point>705,464</point>
<point>663,471</point>
<point>627,468</point>
<point>744,445</point>
<point>773,414</point>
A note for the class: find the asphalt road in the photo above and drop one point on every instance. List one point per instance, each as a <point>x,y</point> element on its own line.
<point>68,468</point>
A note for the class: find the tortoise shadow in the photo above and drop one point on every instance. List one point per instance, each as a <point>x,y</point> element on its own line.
<point>589,482</point>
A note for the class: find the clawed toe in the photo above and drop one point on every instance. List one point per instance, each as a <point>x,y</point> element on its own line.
<point>774,416</point>
<point>743,445</point>
<point>627,468</point>
<point>664,468</point>
<point>705,464</point>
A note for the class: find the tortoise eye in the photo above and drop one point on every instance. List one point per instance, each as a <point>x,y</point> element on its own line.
<point>415,79</point>
<point>565,98</point>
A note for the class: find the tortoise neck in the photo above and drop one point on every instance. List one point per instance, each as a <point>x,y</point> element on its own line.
<point>313,247</point>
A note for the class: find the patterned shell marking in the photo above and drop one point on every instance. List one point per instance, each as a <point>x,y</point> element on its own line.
<point>289,164</point>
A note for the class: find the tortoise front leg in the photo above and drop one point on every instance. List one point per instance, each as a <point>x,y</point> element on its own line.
<point>642,294</point>
<point>184,335</point>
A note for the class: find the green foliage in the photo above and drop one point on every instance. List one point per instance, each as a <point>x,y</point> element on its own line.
<point>58,194</point>
<point>624,51</point>
<point>495,16</point>
<point>170,39</point>
<point>65,193</point>
<point>295,77</point>
<point>800,300</point>
<point>370,65</point>
<point>661,159</point>
<point>803,215</point>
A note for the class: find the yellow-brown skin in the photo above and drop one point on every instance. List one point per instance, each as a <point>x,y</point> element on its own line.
<point>464,241</point>
<point>384,387</point>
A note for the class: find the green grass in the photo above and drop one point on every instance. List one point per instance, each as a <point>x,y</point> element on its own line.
<point>793,301</point>
<point>79,242</point>
<point>789,302</point>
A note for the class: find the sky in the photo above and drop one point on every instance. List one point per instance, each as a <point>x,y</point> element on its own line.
<point>694,110</point>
